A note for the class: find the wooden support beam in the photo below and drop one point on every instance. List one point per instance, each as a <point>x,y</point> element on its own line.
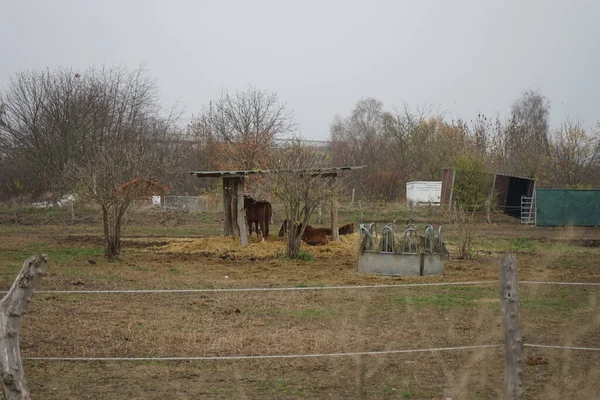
<point>234,206</point>
<point>241,218</point>
<point>335,228</point>
<point>227,222</point>
<point>513,341</point>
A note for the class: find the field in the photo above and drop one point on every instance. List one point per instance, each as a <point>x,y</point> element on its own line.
<point>168,250</point>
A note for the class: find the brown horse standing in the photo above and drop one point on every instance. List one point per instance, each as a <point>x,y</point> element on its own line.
<point>259,214</point>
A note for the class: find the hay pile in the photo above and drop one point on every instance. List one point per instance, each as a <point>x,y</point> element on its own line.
<point>274,247</point>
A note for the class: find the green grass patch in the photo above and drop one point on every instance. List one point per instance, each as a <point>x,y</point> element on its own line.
<point>314,314</point>
<point>437,300</point>
<point>551,304</point>
<point>305,256</point>
<point>521,244</point>
<point>69,254</point>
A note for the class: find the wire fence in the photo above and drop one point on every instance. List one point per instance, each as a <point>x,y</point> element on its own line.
<point>305,288</point>
<point>512,347</point>
<point>311,355</point>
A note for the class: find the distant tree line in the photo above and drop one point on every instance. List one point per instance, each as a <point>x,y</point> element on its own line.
<point>58,125</point>
<point>403,145</point>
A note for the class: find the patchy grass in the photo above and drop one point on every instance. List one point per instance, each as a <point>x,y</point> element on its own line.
<point>296,322</point>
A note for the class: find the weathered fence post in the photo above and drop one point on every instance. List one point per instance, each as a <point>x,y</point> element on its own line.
<point>12,307</point>
<point>352,200</point>
<point>513,341</point>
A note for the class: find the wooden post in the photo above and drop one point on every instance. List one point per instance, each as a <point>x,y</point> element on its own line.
<point>234,206</point>
<point>12,307</point>
<point>513,341</point>
<point>361,211</point>
<point>72,206</point>
<point>451,190</point>
<point>352,200</point>
<point>227,222</point>
<point>334,220</point>
<point>241,217</point>
<point>320,211</point>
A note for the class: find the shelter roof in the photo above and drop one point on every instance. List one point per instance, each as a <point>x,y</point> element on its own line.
<point>328,171</point>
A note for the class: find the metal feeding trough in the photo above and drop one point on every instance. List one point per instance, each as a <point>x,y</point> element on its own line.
<point>397,255</point>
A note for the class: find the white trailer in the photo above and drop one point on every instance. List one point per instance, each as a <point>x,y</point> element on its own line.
<point>423,192</point>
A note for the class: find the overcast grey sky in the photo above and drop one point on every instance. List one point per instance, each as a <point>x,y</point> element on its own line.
<point>464,57</point>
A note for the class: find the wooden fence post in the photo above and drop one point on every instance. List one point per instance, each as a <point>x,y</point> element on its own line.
<point>12,307</point>
<point>513,341</point>
<point>361,211</point>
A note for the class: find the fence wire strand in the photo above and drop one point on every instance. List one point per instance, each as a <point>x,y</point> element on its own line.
<point>315,355</point>
<point>302,288</point>
<point>260,357</point>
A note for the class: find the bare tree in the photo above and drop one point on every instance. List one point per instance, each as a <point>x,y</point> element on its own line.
<point>42,120</point>
<point>295,180</point>
<point>245,124</point>
<point>356,140</point>
<point>574,155</point>
<point>527,134</point>
<point>395,146</point>
<point>130,154</point>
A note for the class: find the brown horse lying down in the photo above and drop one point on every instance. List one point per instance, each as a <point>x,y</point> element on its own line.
<point>347,229</point>
<point>312,236</point>
<point>343,230</point>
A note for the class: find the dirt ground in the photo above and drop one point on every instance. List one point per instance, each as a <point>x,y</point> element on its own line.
<point>186,256</point>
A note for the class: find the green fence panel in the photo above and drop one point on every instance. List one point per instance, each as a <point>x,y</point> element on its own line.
<point>567,207</point>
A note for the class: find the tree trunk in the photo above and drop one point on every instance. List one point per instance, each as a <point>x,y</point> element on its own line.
<point>113,217</point>
<point>12,307</point>
<point>293,243</point>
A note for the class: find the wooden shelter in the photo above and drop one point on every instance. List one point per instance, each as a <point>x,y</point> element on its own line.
<point>505,191</point>
<point>234,223</point>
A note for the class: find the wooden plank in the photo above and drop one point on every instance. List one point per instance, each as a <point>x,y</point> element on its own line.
<point>227,223</point>
<point>334,220</point>
<point>513,340</point>
<point>241,218</point>
<point>234,206</point>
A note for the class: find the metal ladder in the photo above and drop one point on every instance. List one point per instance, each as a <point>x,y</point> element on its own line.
<point>528,210</point>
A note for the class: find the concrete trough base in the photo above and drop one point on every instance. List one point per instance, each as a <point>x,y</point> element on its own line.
<point>391,264</point>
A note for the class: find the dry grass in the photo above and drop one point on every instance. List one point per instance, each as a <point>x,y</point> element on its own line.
<point>274,247</point>
<point>249,323</point>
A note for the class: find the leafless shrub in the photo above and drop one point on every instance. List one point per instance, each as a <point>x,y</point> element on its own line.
<point>464,224</point>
